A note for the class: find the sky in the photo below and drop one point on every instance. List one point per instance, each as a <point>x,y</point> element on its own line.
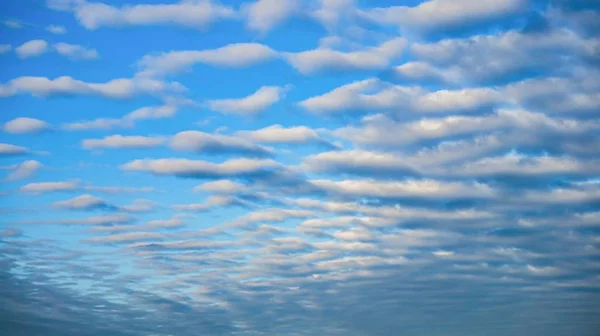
<point>299,167</point>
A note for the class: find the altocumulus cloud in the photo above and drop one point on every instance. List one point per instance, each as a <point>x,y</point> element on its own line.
<point>300,167</point>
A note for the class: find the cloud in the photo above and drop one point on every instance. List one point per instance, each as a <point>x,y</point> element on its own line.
<point>98,124</point>
<point>201,169</point>
<point>118,141</point>
<point>10,150</point>
<point>111,219</point>
<point>75,51</point>
<point>127,237</point>
<point>358,161</point>
<point>443,14</point>
<point>32,48</point>
<point>278,134</point>
<point>82,202</point>
<point>237,55</point>
<point>200,142</point>
<point>13,24</point>
<point>195,14</point>
<point>514,53</point>
<point>56,29</point>
<point>221,187</point>
<point>128,121</point>
<point>255,103</point>
<point>381,130</point>
<point>121,88</point>
<point>264,15</point>
<point>425,188</point>
<point>374,94</point>
<point>211,202</point>
<point>25,125</point>
<point>23,170</point>
<point>46,187</point>
<point>325,59</point>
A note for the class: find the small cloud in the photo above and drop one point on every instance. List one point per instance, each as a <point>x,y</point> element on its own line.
<point>24,170</point>
<point>55,29</point>
<point>76,52</point>
<point>25,125</point>
<point>32,48</point>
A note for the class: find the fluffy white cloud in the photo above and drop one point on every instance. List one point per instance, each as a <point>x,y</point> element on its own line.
<point>117,88</point>
<point>196,13</point>
<point>45,187</point>
<point>325,59</point>
<point>23,170</point>
<point>235,55</point>
<point>199,168</point>
<point>56,29</point>
<point>435,14</point>
<point>25,125</point>
<point>257,102</point>
<point>264,15</point>
<point>118,141</point>
<point>75,51</point>
<point>32,48</point>
<point>200,142</point>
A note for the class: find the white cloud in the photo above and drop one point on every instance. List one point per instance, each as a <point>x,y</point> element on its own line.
<point>127,237</point>
<point>46,187</point>
<point>56,29</point>
<point>435,14</point>
<point>98,124</point>
<point>191,168</point>
<point>425,188</point>
<point>8,149</point>
<point>82,202</point>
<point>211,202</point>
<point>359,161</point>
<point>252,104</point>
<point>13,24</point>
<point>25,125</point>
<point>382,130</point>
<point>374,94</point>
<point>23,170</point>
<point>118,141</point>
<point>196,13</point>
<point>278,134</point>
<point>140,205</point>
<point>235,55</point>
<point>264,15</point>
<point>221,187</point>
<point>488,57</point>
<point>325,59</point>
<point>151,112</point>
<point>200,142</point>
<point>94,220</point>
<point>117,88</point>
<point>75,51</point>
<point>32,48</point>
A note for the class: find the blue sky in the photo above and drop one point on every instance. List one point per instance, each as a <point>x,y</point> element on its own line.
<point>299,167</point>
